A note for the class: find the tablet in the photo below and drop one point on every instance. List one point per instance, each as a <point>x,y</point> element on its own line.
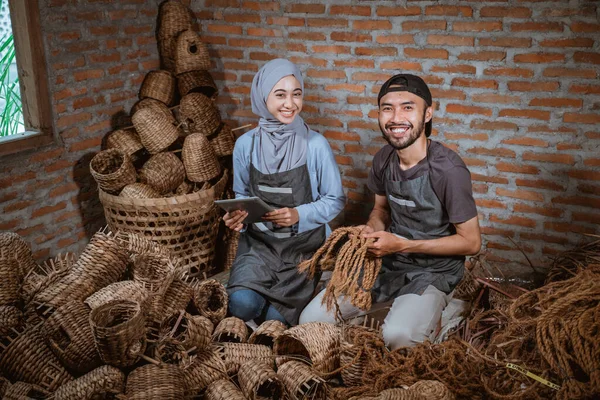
<point>255,207</point>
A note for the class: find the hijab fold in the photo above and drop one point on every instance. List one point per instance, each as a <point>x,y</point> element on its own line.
<point>278,147</point>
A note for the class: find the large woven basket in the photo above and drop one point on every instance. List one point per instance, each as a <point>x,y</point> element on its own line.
<point>69,335</point>
<point>206,368</point>
<point>200,161</point>
<point>236,354</point>
<point>191,53</point>
<point>187,225</point>
<point>119,332</point>
<point>197,82</point>
<point>112,169</point>
<point>259,381</point>
<point>200,113</point>
<point>210,299</point>
<point>157,131</point>
<point>267,333</point>
<point>317,342</point>
<point>10,282</point>
<point>158,85</point>
<point>149,382</point>
<point>101,383</point>
<point>301,381</point>
<point>223,389</point>
<point>126,140</point>
<point>224,142</point>
<point>231,329</point>
<point>164,172</point>
<point>24,391</point>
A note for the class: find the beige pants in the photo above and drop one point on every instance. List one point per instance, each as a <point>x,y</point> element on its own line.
<point>412,318</point>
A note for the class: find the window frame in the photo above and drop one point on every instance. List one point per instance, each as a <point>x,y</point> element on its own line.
<point>33,79</point>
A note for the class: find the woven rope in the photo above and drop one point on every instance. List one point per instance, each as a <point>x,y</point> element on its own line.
<point>210,299</point>
<point>301,382</point>
<point>157,131</point>
<point>151,381</point>
<point>200,161</point>
<point>104,380</point>
<point>158,85</point>
<point>112,169</point>
<point>259,380</point>
<point>191,53</point>
<point>200,113</point>
<point>267,333</point>
<point>223,389</point>
<point>187,331</point>
<point>197,82</point>
<point>231,329</point>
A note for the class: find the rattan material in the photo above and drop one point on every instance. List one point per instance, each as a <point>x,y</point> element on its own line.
<point>157,132</point>
<point>267,332</point>
<point>206,367</point>
<point>149,382</point>
<point>4,384</point>
<point>138,244</point>
<point>69,335</point>
<point>431,390</point>
<point>176,298</point>
<point>48,274</point>
<point>24,391</point>
<point>187,224</point>
<point>99,383</point>
<point>231,329</point>
<point>174,18</point>
<point>197,82</point>
<point>200,161</point>
<point>112,169</point>
<point>123,290</point>
<point>232,240</point>
<point>186,187</point>
<point>317,341</point>
<point>10,318</point>
<point>224,142</point>
<point>154,271</point>
<point>10,282</point>
<point>12,245</point>
<point>126,140</point>
<point>139,190</point>
<point>352,374</point>
<point>210,299</point>
<point>200,113</point>
<point>301,381</point>
<point>191,331</point>
<point>236,354</point>
<point>119,332</point>
<point>259,381</point>
<point>27,358</point>
<point>158,85</point>
<point>164,172</point>
<point>191,53</point>
<point>158,107</point>
<point>223,389</point>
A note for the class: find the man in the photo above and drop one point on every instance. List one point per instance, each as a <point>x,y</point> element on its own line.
<point>424,220</point>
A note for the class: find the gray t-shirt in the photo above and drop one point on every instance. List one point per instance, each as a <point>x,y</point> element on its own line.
<point>449,176</point>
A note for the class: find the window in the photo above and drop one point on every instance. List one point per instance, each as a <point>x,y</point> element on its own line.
<point>36,122</point>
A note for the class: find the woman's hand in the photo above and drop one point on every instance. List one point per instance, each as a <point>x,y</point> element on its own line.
<point>283,216</point>
<point>234,219</point>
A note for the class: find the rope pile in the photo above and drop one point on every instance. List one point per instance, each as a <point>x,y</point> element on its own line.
<point>354,270</point>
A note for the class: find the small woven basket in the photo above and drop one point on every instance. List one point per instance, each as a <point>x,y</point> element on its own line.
<point>197,82</point>
<point>12,245</point>
<point>157,132</point>
<point>50,272</point>
<point>69,335</point>
<point>126,140</point>
<point>319,342</point>
<point>10,318</point>
<point>224,142</point>
<point>123,290</point>
<point>164,172</point>
<point>10,282</point>
<point>119,332</point>
<point>223,389</point>
<point>24,391</point>
<point>236,354</point>
<point>138,244</point>
<point>158,85</point>
<point>102,382</point>
<point>158,107</point>
<point>27,358</point>
<point>206,368</point>
<point>200,161</point>
<point>259,381</point>
<point>210,299</point>
<point>177,297</point>
<point>112,169</point>
<point>139,190</point>
<point>232,330</point>
<point>200,113</point>
<point>191,53</point>
<point>267,333</point>
<point>301,381</point>
<point>190,331</point>
<point>154,271</point>
<point>164,381</point>
<point>174,18</point>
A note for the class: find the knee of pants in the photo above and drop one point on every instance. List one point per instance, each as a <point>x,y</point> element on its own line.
<point>402,336</point>
<point>246,304</point>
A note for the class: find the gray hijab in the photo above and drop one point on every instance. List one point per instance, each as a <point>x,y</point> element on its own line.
<point>280,147</point>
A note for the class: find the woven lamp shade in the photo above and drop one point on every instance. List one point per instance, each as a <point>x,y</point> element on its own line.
<point>149,382</point>
<point>210,299</point>
<point>200,161</point>
<point>164,172</point>
<point>236,354</point>
<point>191,53</point>
<point>301,381</point>
<point>155,272</point>
<point>223,389</point>
<point>156,131</point>
<point>123,290</point>
<point>52,270</point>
<point>112,169</point>
<point>188,330</point>
<point>259,381</point>
<point>231,329</point>
<point>99,383</point>
<point>177,297</point>
<point>126,140</point>
<point>267,332</point>
<point>139,190</point>
<point>173,18</point>
<point>12,245</point>
<point>159,85</point>
<point>155,105</point>
<point>224,142</point>
<point>206,368</point>
<point>197,82</point>
<point>200,113</point>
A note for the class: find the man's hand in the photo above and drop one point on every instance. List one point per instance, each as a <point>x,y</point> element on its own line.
<point>283,216</point>
<point>365,229</point>
<point>385,243</point>
<point>234,219</point>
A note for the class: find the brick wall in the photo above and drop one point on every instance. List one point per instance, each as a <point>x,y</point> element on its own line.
<point>515,83</point>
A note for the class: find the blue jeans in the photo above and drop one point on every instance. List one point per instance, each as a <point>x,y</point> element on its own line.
<point>246,304</point>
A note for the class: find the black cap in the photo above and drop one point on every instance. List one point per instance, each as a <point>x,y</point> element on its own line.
<point>408,83</point>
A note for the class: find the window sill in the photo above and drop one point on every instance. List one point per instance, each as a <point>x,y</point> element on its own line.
<point>23,141</point>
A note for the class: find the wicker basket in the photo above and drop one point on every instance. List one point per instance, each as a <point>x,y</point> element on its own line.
<point>112,169</point>
<point>200,161</point>
<point>4,384</point>
<point>267,333</point>
<point>232,240</point>
<point>187,224</point>
<point>158,85</point>
<point>102,382</point>
<point>126,140</point>
<point>138,244</point>
<point>173,19</point>
<point>223,389</point>
<point>232,330</point>
<point>301,381</point>
<point>119,332</point>
<point>224,142</point>
<point>139,190</point>
<point>69,335</point>
<point>12,245</point>
<point>434,390</point>
<point>197,82</point>
<point>177,297</point>
<point>210,299</point>
<point>191,331</point>
<point>10,282</point>
<point>149,382</point>
<point>123,290</point>
<point>48,274</point>
<point>164,172</point>
<point>318,342</point>
<point>206,368</point>
<point>154,271</point>
<point>25,391</point>
<point>10,318</point>
<point>236,354</point>
<point>157,132</point>
<point>158,107</point>
<point>27,358</point>
<point>200,113</point>
<point>186,187</point>
<point>259,381</point>
<point>191,53</point>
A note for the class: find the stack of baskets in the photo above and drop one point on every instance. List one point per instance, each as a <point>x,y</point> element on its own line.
<point>159,177</point>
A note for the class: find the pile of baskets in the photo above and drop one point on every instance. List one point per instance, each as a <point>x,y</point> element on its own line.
<point>159,177</point>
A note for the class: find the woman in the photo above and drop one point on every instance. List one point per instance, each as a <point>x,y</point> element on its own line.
<point>291,168</point>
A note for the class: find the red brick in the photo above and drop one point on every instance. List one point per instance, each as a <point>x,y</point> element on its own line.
<point>489,179</point>
<point>536,27</point>
<point>241,18</point>
<point>286,21</point>
<point>373,25</point>
<point>581,118</point>
<point>450,40</point>
<point>240,42</point>
<point>312,8</point>
<point>57,166</point>
<point>374,126</point>
<point>346,183</point>
<point>398,39</point>
<point>331,49</point>
<point>505,12</point>
<point>72,119</point>
<point>355,63</point>
<point>586,57</point>
<point>41,211</point>
<point>477,187</point>
<point>487,203</point>
<point>356,173</point>
<point>88,74</point>
<point>483,56</point>
<point>131,30</point>
<point>558,72</point>
<point>265,32</point>
<point>346,87</point>
<point>327,22</point>
<point>426,53</point>
<point>505,42</point>
<point>585,27</point>
<point>474,162</point>
<point>480,26</point>
<point>587,217</point>
<point>259,55</point>
<point>495,98</point>
<point>260,6</point>
<point>376,51</point>
<point>319,62</point>
<point>537,58</point>
<point>487,230</point>
<point>394,11</point>
<point>475,83</point>
<point>553,158</point>
<point>9,225</point>
<point>336,135</point>
<point>344,160</point>
<point>519,221</point>
<point>350,37</point>
<point>567,227</point>
<point>585,89</point>
<point>533,86</point>
<point>452,11</point>
<point>545,238</point>
<point>235,30</point>
<point>575,42</point>
<point>369,76</point>
<point>518,169</point>
<point>104,30</point>
<point>118,43</point>
<point>454,69</point>
<point>401,65</point>
<point>468,110</point>
<point>589,189</point>
<point>448,94</point>
<point>122,14</point>
<point>364,11</point>
<point>526,141</point>
<point>568,146</point>
<point>493,125</point>
<point>424,25</point>
<point>556,102</point>
<point>86,144</point>
<point>492,152</point>
<point>585,175</point>
<point>521,113</point>
<point>20,205</point>
<point>325,121</point>
<point>545,211</point>
<point>520,194</point>
<point>592,162</point>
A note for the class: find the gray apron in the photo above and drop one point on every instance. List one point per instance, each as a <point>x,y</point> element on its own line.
<point>268,255</point>
<point>416,213</point>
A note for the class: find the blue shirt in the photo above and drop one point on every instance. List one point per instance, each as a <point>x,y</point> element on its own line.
<point>326,183</point>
